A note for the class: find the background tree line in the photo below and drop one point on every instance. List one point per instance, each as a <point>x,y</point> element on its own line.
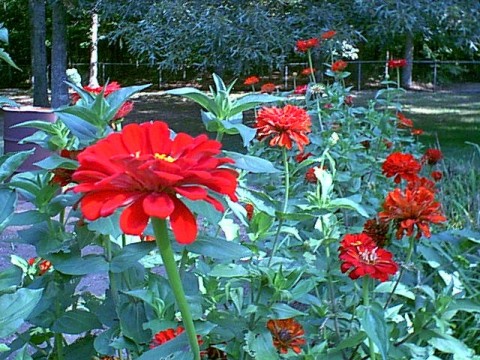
<point>227,36</point>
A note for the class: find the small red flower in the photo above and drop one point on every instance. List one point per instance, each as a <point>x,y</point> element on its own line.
<point>432,156</point>
<point>412,208</point>
<point>328,106</point>
<point>348,100</point>
<point>388,144</point>
<point>147,238</point>
<point>365,144</point>
<point>251,80</point>
<point>310,176</point>
<point>31,261</point>
<point>63,176</point>
<point>44,266</point>
<point>305,45</point>
<point>437,175</point>
<point>142,169</point>
<point>328,34</point>
<point>339,65</point>
<point>164,336</point>
<point>308,71</point>
<point>287,334</point>
<point>268,88</point>
<point>404,122</point>
<point>249,209</point>
<point>285,126</point>
<point>397,63</point>
<point>301,90</point>
<point>401,166</point>
<point>421,182</point>
<point>302,157</point>
<point>362,257</point>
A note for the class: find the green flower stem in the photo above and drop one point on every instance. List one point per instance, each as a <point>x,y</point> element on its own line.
<point>366,303</point>
<point>398,78</point>
<point>331,290</point>
<point>255,108</point>
<point>310,64</point>
<point>59,346</point>
<point>285,204</point>
<point>319,113</point>
<point>165,248</point>
<point>411,247</point>
<point>219,136</point>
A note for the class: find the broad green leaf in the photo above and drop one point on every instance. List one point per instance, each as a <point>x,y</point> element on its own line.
<point>252,164</point>
<point>464,305</point>
<point>260,346</point>
<point>38,124</point>
<point>109,225</point>
<point>83,130</point>
<point>8,202</point>
<point>130,255</point>
<point>352,341</point>
<point>70,264</point>
<point>11,161</point>
<point>284,311</point>
<point>56,161</point>
<point>228,271</point>
<point>3,34</point>
<point>374,325</point>
<point>198,96</point>
<point>10,278</point>
<point>346,203</point>
<point>16,308</point>
<point>23,354</point>
<point>250,101</point>
<point>450,345</point>
<point>205,209</point>
<point>117,98</point>
<point>245,132</point>
<point>82,348</point>
<point>402,290</point>
<point>6,57</point>
<point>3,348</point>
<point>76,322</point>
<point>132,317</point>
<point>219,249</point>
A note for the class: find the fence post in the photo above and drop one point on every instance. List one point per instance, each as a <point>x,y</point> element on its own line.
<point>103,73</point>
<point>160,80</point>
<point>435,76</point>
<point>285,74</point>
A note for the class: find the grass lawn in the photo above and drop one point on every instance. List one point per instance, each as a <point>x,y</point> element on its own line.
<point>451,117</point>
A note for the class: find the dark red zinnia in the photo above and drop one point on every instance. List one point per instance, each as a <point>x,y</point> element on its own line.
<point>436,175</point>
<point>301,90</point>
<point>397,63</point>
<point>401,166</point>
<point>339,65</point>
<point>144,171</point>
<point>305,45</point>
<point>328,34</point>
<point>268,88</point>
<point>432,156</point>
<point>287,334</point>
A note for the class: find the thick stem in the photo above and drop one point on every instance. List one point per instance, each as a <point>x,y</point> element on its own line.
<point>59,346</point>
<point>165,248</point>
<point>366,303</point>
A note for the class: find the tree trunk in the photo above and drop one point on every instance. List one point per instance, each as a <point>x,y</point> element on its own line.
<point>59,55</point>
<point>93,77</point>
<point>408,69</point>
<point>39,52</point>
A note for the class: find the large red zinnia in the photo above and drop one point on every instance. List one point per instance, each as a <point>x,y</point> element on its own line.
<point>144,170</point>
<point>286,126</point>
<point>412,208</point>
<point>401,166</point>
<point>397,63</point>
<point>362,257</point>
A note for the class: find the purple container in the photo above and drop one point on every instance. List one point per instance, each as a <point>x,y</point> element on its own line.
<point>12,136</point>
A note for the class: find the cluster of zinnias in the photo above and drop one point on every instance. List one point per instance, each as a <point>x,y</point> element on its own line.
<point>287,334</point>
<point>361,256</point>
<point>146,172</point>
<point>126,108</point>
<point>285,126</point>
<point>305,45</point>
<point>396,63</point>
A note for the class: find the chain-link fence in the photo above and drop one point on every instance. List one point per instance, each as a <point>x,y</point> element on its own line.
<point>364,74</point>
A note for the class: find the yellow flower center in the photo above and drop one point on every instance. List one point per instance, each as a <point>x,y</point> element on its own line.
<point>164,157</point>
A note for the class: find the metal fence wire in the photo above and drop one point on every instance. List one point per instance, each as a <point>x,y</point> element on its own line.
<point>365,74</point>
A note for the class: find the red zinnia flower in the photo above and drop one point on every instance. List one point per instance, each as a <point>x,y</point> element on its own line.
<point>432,156</point>
<point>44,266</point>
<point>302,157</point>
<point>285,125</point>
<point>436,175</point>
<point>251,80</point>
<point>300,90</point>
<point>416,132</point>
<point>31,261</point>
<point>308,71</point>
<point>421,182</point>
<point>249,209</point>
<point>287,334</point>
<point>328,34</point>
<point>388,144</point>
<point>402,166</point>
<point>268,88</point>
<point>411,208</point>
<point>377,230</point>
<point>63,176</point>
<point>404,122</point>
<point>305,45</point>
<point>362,257</point>
<point>126,108</point>
<point>339,65</point>
<point>143,169</point>
<point>163,336</point>
<point>397,63</point>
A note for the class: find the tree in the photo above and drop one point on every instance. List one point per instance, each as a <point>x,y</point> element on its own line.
<point>93,73</point>
<point>39,52</point>
<point>59,55</point>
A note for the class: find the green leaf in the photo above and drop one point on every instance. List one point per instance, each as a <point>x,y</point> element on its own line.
<point>351,341</point>
<point>177,348</point>
<point>219,249</point>
<point>10,278</point>
<point>247,134</point>
<point>4,348</point>
<point>71,264</point>
<point>250,101</point>
<point>228,271</point>
<point>130,255</point>
<point>8,202</point>
<point>107,225</point>
<point>82,129</point>
<point>374,324</point>
<point>23,354</point>
<point>6,57</point>
<point>11,161</point>
<point>464,305</point>
<point>56,161</point>
<point>132,317</point>
<point>198,96</point>
<point>284,311</point>
<point>16,308</point>
<point>38,124</point>
<point>252,164</point>
<point>75,322</point>
<point>402,290</point>
<point>260,346</point>
<point>450,345</point>
<point>3,34</point>
<point>346,203</point>
<point>117,98</point>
